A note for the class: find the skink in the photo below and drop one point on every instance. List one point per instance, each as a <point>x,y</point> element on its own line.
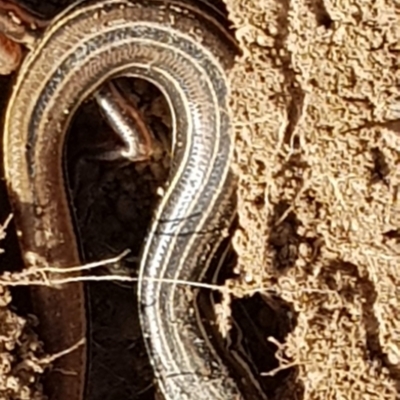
<point>186,53</point>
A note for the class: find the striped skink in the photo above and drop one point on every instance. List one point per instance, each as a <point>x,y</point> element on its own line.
<point>186,53</point>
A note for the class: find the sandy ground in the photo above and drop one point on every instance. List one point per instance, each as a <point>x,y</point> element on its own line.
<point>317,133</point>
<point>316,114</point>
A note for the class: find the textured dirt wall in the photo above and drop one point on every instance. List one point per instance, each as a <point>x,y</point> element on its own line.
<point>317,131</point>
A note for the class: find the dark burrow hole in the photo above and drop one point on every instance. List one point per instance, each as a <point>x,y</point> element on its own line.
<point>253,321</point>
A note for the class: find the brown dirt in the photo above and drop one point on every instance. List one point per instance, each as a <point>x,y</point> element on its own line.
<point>317,134</point>
<point>317,131</point>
